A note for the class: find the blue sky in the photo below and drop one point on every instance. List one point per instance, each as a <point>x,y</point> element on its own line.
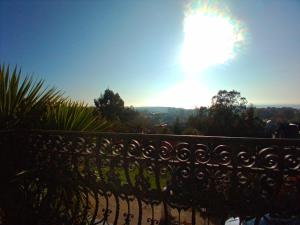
<point>133,47</point>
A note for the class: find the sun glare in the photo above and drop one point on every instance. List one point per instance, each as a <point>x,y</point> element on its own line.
<point>210,38</point>
<point>187,94</point>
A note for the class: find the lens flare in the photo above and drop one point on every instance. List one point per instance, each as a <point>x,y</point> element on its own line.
<point>211,37</point>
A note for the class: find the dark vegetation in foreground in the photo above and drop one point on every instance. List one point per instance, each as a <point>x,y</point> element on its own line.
<point>26,104</point>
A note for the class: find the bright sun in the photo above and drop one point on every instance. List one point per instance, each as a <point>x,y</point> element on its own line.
<point>210,38</point>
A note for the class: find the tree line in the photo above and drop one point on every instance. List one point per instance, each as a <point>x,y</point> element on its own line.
<point>229,115</point>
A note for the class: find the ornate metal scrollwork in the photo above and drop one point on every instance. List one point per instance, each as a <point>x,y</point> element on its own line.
<point>125,177</point>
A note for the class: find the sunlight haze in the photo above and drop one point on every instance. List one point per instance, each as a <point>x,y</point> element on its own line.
<point>160,53</point>
<point>210,38</point>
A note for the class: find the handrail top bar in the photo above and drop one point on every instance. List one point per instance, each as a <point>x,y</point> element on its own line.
<point>161,136</point>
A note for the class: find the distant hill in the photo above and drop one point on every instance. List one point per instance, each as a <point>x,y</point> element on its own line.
<point>166,114</point>
<point>295,106</point>
<point>159,109</point>
<point>162,109</point>
<point>265,112</point>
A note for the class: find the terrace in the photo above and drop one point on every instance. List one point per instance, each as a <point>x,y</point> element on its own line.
<point>174,142</point>
<point>115,178</point>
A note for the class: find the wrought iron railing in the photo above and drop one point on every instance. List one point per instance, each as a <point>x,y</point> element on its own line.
<point>166,179</point>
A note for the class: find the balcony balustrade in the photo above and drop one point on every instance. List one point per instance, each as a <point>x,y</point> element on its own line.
<point>158,179</point>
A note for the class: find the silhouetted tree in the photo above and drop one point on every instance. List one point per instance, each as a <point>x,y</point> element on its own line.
<point>225,113</point>
<point>128,114</point>
<point>227,116</point>
<point>251,125</point>
<point>177,127</point>
<point>230,100</point>
<point>110,105</point>
<point>125,119</point>
<point>198,122</point>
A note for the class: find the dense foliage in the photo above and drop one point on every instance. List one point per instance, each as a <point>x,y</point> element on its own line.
<point>110,105</point>
<point>22,102</point>
<point>27,104</point>
<point>34,190</point>
<point>124,119</point>
<point>229,115</point>
<point>70,115</point>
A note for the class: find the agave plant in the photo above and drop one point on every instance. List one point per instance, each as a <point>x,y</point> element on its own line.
<point>25,103</point>
<point>70,115</point>
<point>22,102</point>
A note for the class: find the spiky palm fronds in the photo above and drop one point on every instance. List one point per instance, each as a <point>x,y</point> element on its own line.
<point>23,101</point>
<point>40,190</point>
<point>70,115</point>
